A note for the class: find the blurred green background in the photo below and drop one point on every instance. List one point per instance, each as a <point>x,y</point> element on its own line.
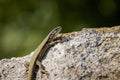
<point>25,23</point>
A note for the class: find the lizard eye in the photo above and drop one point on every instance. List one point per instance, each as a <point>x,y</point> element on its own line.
<point>57,30</point>
<point>54,32</point>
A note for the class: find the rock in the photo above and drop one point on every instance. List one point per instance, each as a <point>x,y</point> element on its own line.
<point>91,54</point>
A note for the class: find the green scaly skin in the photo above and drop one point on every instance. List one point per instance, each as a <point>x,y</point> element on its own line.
<point>39,53</point>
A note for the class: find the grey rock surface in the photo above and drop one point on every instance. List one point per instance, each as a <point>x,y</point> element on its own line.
<point>91,54</point>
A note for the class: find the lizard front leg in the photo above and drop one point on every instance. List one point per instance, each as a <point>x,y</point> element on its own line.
<point>41,68</point>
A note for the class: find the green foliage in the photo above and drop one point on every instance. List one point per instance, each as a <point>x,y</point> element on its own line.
<point>24,23</point>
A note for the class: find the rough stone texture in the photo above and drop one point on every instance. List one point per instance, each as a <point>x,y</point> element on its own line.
<point>91,54</point>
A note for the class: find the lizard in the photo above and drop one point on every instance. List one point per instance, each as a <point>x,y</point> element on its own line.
<point>40,52</point>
